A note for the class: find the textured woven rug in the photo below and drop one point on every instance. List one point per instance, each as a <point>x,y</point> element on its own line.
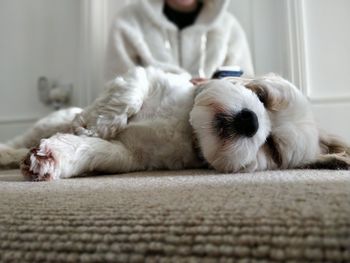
<point>185,216</point>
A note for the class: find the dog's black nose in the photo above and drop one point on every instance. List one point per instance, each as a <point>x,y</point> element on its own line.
<point>246,123</point>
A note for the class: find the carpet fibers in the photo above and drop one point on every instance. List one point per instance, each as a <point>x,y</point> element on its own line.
<point>184,216</point>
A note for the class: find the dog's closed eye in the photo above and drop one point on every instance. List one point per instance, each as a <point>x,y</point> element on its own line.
<point>262,96</point>
<point>260,92</point>
<point>272,101</point>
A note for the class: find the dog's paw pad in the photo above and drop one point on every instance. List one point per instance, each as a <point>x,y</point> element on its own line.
<point>39,165</point>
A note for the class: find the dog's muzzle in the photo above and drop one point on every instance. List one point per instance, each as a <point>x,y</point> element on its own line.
<point>244,123</point>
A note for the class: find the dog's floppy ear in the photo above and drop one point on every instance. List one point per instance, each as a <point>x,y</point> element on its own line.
<point>335,154</point>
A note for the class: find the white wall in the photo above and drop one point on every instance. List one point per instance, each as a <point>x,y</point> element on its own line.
<point>38,38</point>
<point>264,23</point>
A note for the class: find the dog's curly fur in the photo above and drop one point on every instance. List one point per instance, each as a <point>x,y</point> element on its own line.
<point>149,119</point>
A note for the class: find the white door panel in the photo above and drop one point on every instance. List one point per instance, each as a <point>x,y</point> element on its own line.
<point>327,37</point>
<point>327,42</point>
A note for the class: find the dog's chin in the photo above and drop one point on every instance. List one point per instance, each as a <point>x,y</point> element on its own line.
<point>232,161</point>
<point>227,157</point>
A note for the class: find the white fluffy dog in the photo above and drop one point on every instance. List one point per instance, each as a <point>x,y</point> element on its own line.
<point>149,119</point>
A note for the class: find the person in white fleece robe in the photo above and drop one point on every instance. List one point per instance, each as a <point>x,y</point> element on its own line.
<point>143,34</point>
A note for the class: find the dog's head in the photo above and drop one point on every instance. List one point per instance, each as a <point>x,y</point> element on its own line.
<point>260,124</point>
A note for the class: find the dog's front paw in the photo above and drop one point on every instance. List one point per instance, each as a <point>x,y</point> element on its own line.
<point>39,165</point>
<point>107,127</point>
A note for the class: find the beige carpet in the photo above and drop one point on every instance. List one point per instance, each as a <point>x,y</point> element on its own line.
<point>187,216</point>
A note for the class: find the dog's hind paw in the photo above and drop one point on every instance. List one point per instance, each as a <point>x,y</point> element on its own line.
<point>10,158</point>
<point>39,165</point>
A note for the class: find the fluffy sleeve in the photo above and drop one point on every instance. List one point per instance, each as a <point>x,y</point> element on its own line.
<point>120,53</point>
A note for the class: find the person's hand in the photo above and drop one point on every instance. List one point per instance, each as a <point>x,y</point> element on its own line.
<point>199,81</point>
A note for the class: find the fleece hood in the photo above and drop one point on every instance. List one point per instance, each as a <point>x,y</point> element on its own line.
<point>211,12</point>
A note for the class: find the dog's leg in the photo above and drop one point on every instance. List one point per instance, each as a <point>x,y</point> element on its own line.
<point>68,155</point>
<point>58,121</point>
<point>109,114</point>
<point>10,158</point>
